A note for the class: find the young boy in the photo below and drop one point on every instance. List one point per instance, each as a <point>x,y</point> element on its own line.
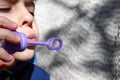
<point>18,15</point>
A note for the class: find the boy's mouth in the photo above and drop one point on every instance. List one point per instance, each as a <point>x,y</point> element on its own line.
<point>31,37</point>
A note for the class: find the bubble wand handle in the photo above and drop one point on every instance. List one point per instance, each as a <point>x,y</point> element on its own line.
<point>37,43</point>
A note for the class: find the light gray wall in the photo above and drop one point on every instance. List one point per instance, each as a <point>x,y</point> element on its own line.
<point>90,33</point>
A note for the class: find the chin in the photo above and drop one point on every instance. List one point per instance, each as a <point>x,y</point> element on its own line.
<point>27,54</point>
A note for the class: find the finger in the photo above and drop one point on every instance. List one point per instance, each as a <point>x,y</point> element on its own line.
<point>4,64</point>
<point>8,35</point>
<point>4,56</point>
<point>6,23</point>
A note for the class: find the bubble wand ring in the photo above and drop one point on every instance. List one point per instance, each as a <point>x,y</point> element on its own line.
<point>49,43</point>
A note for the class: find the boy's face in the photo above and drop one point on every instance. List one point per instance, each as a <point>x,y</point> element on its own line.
<point>21,12</point>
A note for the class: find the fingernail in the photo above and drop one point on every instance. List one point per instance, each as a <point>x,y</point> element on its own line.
<point>14,24</point>
<point>10,58</point>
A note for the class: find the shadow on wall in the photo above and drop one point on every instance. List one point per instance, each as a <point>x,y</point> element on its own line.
<point>90,33</point>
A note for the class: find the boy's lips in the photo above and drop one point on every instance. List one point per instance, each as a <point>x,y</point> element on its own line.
<point>31,37</point>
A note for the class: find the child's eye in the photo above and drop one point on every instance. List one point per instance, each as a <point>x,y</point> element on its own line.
<point>5,9</point>
<point>32,13</point>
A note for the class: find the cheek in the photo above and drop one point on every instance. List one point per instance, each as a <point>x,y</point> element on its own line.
<point>24,55</point>
<point>35,29</point>
<point>8,16</point>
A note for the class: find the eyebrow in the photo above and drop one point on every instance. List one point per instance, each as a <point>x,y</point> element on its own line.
<point>29,2</point>
<point>14,1</point>
<point>10,1</point>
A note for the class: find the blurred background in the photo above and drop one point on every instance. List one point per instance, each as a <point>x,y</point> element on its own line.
<point>90,30</point>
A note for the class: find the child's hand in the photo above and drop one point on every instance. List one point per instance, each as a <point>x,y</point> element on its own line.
<point>6,25</point>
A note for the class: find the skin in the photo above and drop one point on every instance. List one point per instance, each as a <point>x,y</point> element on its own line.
<point>17,15</point>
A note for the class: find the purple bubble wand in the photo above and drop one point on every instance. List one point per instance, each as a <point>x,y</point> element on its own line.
<point>12,48</point>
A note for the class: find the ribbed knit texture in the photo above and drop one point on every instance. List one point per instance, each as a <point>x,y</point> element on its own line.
<point>90,30</point>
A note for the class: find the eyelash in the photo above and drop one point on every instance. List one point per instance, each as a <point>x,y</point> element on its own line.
<point>8,9</point>
<point>5,9</point>
<point>32,13</point>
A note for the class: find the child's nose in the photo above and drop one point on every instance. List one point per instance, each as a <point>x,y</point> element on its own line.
<point>26,18</point>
